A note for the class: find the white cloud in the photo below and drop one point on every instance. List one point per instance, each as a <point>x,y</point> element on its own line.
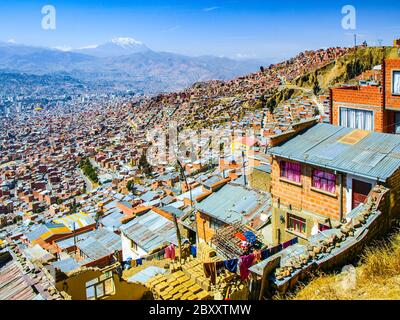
<point>210,9</point>
<point>92,46</point>
<point>63,48</point>
<point>245,56</point>
<point>11,41</point>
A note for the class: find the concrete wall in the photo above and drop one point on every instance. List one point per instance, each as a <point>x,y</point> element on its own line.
<point>75,286</point>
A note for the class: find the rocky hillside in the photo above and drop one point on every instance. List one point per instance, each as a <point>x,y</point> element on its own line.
<point>206,103</point>
<point>376,277</point>
<point>342,70</point>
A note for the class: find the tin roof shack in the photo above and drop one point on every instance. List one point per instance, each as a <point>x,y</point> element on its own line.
<point>322,173</point>
<point>326,251</point>
<point>146,234</point>
<point>99,249</point>
<point>229,205</point>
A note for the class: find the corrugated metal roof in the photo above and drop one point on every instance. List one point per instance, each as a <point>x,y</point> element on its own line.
<point>13,283</point>
<point>69,242</point>
<point>150,231</point>
<point>376,156</point>
<point>113,220</point>
<point>234,203</point>
<point>80,220</point>
<point>47,228</point>
<point>146,274</point>
<point>66,265</point>
<point>100,243</point>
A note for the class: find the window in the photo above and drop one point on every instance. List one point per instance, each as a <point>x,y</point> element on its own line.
<point>291,171</point>
<point>100,287</point>
<point>324,181</point>
<point>357,119</point>
<point>134,246</point>
<point>296,224</point>
<point>216,224</point>
<point>396,82</point>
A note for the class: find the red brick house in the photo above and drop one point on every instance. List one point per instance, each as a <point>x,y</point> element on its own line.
<point>371,107</point>
<point>322,173</point>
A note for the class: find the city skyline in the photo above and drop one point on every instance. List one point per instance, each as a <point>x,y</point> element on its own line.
<point>220,28</point>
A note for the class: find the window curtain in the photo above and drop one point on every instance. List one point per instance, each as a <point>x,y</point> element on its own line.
<point>343,117</point>
<point>324,181</point>
<point>291,171</point>
<point>356,119</point>
<point>351,122</point>
<point>368,121</point>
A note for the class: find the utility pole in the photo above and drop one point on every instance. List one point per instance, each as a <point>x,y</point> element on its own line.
<point>192,203</point>
<point>244,169</point>
<point>178,235</point>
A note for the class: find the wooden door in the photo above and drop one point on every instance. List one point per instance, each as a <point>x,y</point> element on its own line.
<point>361,191</point>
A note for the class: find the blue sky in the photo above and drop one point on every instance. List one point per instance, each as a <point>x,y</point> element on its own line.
<point>251,28</point>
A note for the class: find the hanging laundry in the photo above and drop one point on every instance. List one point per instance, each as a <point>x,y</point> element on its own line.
<point>240,236</point>
<point>231,265</point>
<point>257,256</point>
<point>210,271</point>
<point>265,254</point>
<point>139,262</point>
<point>172,251</point>
<point>273,250</point>
<point>193,251</point>
<point>168,252</point>
<point>287,244</point>
<point>250,237</point>
<point>245,263</point>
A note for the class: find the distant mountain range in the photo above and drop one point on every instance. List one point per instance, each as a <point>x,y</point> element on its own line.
<point>124,62</point>
<point>115,48</point>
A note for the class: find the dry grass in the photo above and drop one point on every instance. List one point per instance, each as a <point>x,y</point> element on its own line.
<point>377,278</point>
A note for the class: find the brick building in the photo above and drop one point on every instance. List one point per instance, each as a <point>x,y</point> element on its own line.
<point>322,173</point>
<point>370,107</point>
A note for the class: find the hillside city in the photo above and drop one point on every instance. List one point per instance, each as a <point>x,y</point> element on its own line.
<point>225,190</point>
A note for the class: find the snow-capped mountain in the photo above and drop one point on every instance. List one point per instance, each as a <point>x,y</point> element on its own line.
<point>125,63</point>
<point>114,48</point>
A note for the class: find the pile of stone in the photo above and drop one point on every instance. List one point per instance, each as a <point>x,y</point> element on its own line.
<point>291,265</point>
<point>327,245</point>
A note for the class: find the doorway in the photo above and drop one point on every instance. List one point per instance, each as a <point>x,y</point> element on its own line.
<point>361,191</point>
